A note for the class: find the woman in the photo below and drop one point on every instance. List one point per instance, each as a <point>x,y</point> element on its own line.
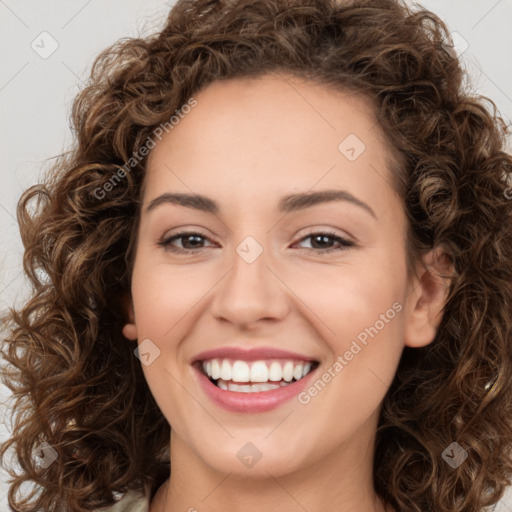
<point>186,349</point>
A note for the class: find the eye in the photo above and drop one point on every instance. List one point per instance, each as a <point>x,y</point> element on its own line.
<point>321,238</point>
<point>191,242</point>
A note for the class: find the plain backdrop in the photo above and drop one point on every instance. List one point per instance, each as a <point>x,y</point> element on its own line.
<point>47,48</point>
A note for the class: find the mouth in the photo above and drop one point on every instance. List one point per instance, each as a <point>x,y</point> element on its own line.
<point>260,376</point>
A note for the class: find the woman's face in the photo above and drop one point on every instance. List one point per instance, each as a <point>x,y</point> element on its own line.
<point>264,292</point>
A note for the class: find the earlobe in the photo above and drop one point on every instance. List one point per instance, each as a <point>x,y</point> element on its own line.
<point>129,329</point>
<point>428,298</point>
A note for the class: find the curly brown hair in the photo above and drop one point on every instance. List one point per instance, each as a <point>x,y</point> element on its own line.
<point>75,381</point>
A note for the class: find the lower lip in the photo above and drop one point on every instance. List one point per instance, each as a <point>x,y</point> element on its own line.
<point>260,401</point>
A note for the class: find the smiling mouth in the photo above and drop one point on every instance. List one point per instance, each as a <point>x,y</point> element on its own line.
<point>254,376</point>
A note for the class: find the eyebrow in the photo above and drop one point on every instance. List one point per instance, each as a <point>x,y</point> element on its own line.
<point>287,204</point>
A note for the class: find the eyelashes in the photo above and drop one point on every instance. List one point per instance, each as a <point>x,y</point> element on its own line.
<point>166,243</point>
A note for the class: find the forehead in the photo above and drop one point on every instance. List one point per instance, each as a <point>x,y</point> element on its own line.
<point>275,132</point>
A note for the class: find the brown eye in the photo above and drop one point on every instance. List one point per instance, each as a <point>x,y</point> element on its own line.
<point>191,241</point>
<point>321,239</point>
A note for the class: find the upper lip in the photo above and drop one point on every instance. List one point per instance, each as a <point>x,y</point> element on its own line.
<point>249,354</point>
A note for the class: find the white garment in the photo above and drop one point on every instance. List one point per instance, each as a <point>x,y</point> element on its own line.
<point>132,501</point>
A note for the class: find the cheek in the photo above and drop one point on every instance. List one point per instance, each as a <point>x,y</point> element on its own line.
<point>351,296</point>
<point>164,300</point>
<point>359,314</point>
<point>164,294</point>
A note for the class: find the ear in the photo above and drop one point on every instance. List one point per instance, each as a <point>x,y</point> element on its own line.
<point>129,328</point>
<point>425,304</point>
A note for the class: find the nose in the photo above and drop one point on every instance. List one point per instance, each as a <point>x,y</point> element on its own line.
<point>251,292</point>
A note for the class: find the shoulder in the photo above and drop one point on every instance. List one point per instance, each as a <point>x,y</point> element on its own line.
<point>131,502</point>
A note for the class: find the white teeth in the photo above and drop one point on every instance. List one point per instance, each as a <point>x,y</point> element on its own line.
<point>288,371</point>
<point>215,369</point>
<point>239,371</point>
<point>275,372</point>
<point>225,370</point>
<point>248,388</point>
<point>257,372</point>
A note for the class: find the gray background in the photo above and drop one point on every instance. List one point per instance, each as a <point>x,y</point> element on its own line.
<point>36,94</point>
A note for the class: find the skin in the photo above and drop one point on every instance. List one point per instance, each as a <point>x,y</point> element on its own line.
<point>245,145</point>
